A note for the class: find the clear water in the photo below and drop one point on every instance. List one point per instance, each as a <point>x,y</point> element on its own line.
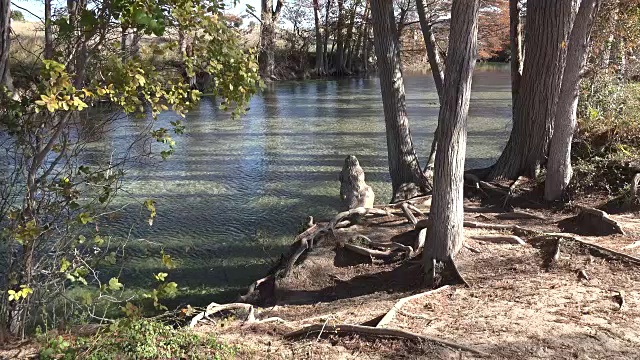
<point>235,193</point>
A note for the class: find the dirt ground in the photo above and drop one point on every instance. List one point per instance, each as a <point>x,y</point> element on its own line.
<point>521,304</point>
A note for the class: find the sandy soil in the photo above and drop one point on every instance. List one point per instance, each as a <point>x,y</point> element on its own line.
<point>521,304</point>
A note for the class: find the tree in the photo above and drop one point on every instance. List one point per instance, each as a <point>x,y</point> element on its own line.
<point>5,43</point>
<point>559,170</point>
<point>269,19</point>
<point>546,32</point>
<point>445,234</point>
<point>17,15</point>
<point>52,196</point>
<point>428,13</point>
<point>319,56</point>
<point>403,162</point>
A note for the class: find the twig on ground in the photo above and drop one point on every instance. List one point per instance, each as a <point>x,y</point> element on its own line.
<point>374,331</point>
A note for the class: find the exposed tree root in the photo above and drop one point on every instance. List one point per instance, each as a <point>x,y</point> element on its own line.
<point>508,239</point>
<point>516,214</point>
<point>628,258</point>
<point>473,209</point>
<point>514,228</point>
<point>216,308</point>
<point>413,201</point>
<point>635,186</point>
<point>512,190</point>
<point>388,317</point>
<point>633,245</point>
<point>379,332</point>
<point>361,211</point>
<point>407,212</point>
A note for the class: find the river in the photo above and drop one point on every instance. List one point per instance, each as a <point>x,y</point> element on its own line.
<point>235,193</point>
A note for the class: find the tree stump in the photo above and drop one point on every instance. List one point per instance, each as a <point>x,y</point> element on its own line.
<point>354,191</point>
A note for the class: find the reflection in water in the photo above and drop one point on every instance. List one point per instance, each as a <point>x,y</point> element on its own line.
<point>236,191</point>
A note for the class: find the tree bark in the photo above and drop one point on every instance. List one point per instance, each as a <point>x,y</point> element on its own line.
<point>547,30</point>
<point>269,18</point>
<point>349,38</point>
<point>326,36</point>
<point>366,42</point>
<point>48,31</point>
<point>435,63</point>
<point>357,50</point>
<point>5,44</point>
<point>445,237</point>
<point>339,56</point>
<point>515,42</point>
<point>559,169</point>
<point>403,162</point>
<point>319,56</point>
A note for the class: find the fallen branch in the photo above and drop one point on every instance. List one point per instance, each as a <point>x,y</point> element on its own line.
<point>374,331</point>
<point>388,317</point>
<point>509,239</point>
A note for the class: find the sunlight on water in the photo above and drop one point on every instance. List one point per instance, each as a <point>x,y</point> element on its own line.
<point>236,191</point>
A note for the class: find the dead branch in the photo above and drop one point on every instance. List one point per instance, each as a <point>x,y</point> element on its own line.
<point>388,317</point>
<point>378,332</point>
<point>509,239</point>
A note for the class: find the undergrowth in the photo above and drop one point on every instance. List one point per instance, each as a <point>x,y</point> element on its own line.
<point>136,339</point>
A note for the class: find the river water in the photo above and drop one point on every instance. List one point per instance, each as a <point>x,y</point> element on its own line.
<point>235,193</point>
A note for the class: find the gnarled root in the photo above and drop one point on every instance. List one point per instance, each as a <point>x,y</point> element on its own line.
<point>388,317</point>
<point>214,308</point>
<point>379,332</point>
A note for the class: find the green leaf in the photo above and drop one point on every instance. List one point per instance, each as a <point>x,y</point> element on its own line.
<point>160,276</point>
<point>114,284</point>
<point>167,261</point>
<point>85,218</point>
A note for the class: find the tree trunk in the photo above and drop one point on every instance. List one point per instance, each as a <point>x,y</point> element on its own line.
<point>349,38</point>
<point>319,56</point>
<point>547,30</point>
<point>357,50</point>
<point>339,56</point>
<point>366,42</point>
<point>445,236</point>
<point>326,36</point>
<point>435,63</point>
<point>559,170</point>
<point>515,42</point>
<point>403,162</point>
<point>266,58</point>
<point>48,31</point>
<point>5,44</point>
